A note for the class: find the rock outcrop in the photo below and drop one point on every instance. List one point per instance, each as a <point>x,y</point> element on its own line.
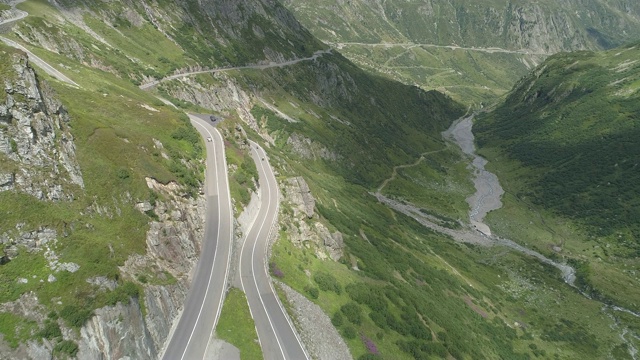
<point>301,229</point>
<point>117,332</point>
<point>37,152</point>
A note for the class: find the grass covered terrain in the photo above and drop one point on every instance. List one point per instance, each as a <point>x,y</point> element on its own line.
<point>399,292</point>
<point>417,294</point>
<point>114,136</point>
<point>237,327</point>
<point>416,36</point>
<point>475,78</point>
<point>564,146</point>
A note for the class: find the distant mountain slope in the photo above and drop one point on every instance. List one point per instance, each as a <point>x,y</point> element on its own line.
<point>540,26</point>
<point>333,132</point>
<point>473,50</point>
<point>574,122</point>
<point>565,146</point>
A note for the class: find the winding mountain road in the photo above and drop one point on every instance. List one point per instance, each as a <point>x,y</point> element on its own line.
<point>277,335</point>
<point>19,15</point>
<point>191,336</point>
<point>315,55</point>
<point>202,307</point>
<point>489,50</point>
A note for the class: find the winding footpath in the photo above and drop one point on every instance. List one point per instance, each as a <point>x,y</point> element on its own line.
<point>405,166</point>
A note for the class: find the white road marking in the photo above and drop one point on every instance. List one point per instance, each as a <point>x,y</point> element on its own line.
<point>226,274</point>
<point>214,255</point>
<point>253,269</point>
<point>284,312</point>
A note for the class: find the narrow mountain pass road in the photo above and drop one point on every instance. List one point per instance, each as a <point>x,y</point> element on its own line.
<point>315,55</point>
<point>19,15</point>
<point>201,311</point>
<point>40,63</point>
<point>277,335</point>
<point>489,50</point>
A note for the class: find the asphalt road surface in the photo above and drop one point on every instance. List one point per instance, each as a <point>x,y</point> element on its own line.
<point>40,63</point>
<point>276,333</point>
<point>258,67</point>
<point>206,295</point>
<point>19,14</point>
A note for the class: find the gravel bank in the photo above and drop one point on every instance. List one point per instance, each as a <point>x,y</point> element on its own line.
<point>318,334</point>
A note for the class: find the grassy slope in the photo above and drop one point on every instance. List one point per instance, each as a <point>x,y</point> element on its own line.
<point>429,295</point>
<point>419,281</point>
<point>566,143</point>
<point>114,145</point>
<point>471,77</point>
<point>237,327</point>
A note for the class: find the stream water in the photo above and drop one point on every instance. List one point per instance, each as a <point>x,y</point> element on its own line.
<point>487,198</point>
<point>488,194</point>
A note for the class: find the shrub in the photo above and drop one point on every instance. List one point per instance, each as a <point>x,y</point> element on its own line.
<point>75,316</point>
<point>327,282</point>
<point>337,319</point>
<point>352,312</point>
<point>349,332</point>
<point>367,295</point>
<point>312,291</point>
<point>67,347</point>
<point>51,330</point>
<point>123,174</point>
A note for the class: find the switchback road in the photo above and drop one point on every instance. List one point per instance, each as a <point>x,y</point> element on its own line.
<point>204,300</point>
<point>258,67</point>
<point>278,337</point>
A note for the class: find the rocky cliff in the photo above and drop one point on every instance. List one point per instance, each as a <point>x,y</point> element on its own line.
<point>173,245</point>
<point>36,147</point>
<point>541,26</point>
<point>38,164</point>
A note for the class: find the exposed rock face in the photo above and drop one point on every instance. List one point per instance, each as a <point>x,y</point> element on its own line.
<point>37,152</point>
<point>539,26</point>
<point>309,149</point>
<point>174,240</point>
<point>318,334</point>
<point>300,230</point>
<point>28,307</point>
<point>303,198</point>
<point>173,245</point>
<point>117,332</point>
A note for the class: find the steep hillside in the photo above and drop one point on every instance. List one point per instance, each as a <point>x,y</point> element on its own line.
<point>393,288</point>
<point>542,26</point>
<point>567,139</point>
<point>472,50</point>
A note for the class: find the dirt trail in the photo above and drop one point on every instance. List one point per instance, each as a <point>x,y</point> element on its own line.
<point>395,168</point>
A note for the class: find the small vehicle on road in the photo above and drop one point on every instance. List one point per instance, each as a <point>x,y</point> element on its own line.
<point>209,139</point>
